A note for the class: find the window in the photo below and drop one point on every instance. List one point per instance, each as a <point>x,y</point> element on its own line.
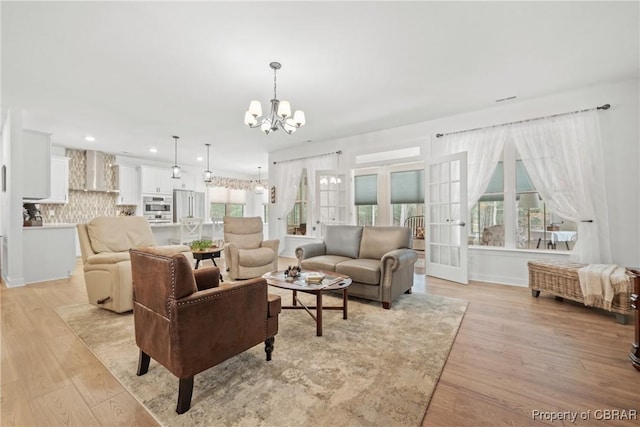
<point>297,218</point>
<point>366,198</point>
<point>407,194</point>
<point>219,210</point>
<point>536,226</point>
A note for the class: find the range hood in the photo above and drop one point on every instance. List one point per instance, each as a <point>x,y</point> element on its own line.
<point>95,171</point>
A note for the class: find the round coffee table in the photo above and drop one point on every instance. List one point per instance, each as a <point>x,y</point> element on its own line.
<point>332,282</point>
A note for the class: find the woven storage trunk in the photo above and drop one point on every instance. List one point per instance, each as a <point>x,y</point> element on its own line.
<point>560,278</point>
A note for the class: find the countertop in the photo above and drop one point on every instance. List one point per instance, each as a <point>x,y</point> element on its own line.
<point>50,226</point>
<point>171,224</point>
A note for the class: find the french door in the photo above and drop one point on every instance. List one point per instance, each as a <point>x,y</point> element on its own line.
<point>331,197</point>
<point>446,217</point>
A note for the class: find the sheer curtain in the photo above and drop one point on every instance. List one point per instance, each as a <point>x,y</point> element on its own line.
<point>287,180</point>
<point>484,149</point>
<point>563,156</point>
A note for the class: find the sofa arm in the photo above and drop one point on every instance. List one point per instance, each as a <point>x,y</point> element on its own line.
<point>231,258</point>
<point>310,250</point>
<point>271,244</point>
<point>207,278</point>
<point>107,258</point>
<point>398,259</point>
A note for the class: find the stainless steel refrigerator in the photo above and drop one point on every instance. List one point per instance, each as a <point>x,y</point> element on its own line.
<point>187,204</point>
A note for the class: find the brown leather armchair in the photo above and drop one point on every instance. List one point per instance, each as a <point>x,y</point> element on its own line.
<point>188,323</point>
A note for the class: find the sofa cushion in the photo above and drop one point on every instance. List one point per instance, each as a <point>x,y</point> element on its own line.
<point>108,258</point>
<point>343,240</point>
<point>119,234</point>
<point>377,241</point>
<point>255,257</point>
<point>323,262</point>
<point>361,270</point>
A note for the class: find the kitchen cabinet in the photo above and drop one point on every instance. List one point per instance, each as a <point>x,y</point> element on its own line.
<point>128,186</point>
<point>187,181</point>
<point>36,165</point>
<point>156,180</point>
<point>59,181</point>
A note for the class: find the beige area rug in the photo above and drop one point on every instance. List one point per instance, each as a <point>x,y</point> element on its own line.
<point>377,368</point>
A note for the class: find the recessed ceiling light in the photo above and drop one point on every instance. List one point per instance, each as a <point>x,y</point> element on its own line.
<point>89,138</point>
<point>153,150</point>
<point>199,158</point>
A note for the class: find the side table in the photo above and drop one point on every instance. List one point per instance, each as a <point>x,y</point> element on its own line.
<point>635,304</point>
<point>211,253</point>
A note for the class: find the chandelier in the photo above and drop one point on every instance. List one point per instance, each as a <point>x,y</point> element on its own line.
<point>259,188</point>
<point>280,115</point>
<point>175,169</point>
<point>208,175</point>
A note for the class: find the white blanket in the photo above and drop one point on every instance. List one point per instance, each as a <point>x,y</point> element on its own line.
<point>601,282</point>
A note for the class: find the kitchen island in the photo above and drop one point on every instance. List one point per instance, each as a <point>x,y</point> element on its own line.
<point>48,252</point>
<point>165,232</point>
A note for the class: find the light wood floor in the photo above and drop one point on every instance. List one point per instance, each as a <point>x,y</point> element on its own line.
<point>513,355</point>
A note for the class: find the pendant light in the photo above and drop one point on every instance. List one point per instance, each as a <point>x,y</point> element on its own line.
<point>259,188</point>
<point>175,169</point>
<point>208,175</point>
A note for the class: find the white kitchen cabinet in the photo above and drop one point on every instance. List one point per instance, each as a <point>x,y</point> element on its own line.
<point>127,186</point>
<point>187,181</point>
<point>36,165</point>
<point>156,180</point>
<point>59,181</point>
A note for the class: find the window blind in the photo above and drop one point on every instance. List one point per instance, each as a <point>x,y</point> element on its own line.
<point>407,187</point>
<point>366,189</point>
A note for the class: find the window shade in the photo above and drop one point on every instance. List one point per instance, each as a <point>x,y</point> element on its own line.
<point>496,184</point>
<point>523,182</point>
<point>366,189</point>
<point>407,187</point>
<point>218,195</point>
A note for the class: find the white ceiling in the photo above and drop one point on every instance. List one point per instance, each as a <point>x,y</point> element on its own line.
<point>134,74</point>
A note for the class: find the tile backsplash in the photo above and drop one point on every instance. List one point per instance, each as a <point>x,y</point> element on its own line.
<point>84,205</point>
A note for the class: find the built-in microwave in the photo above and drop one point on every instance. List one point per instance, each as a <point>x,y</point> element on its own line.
<point>158,207</point>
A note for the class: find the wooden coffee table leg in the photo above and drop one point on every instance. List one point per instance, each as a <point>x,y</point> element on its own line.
<point>319,313</point>
<point>295,297</point>
<point>344,303</point>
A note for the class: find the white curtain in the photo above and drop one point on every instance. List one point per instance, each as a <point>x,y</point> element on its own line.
<point>287,181</point>
<point>313,165</point>
<point>484,150</point>
<point>563,156</point>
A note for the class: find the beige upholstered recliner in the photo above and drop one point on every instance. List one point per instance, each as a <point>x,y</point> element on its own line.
<point>105,243</point>
<point>246,254</point>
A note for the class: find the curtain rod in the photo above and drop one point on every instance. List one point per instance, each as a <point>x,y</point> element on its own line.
<point>309,157</point>
<point>602,107</point>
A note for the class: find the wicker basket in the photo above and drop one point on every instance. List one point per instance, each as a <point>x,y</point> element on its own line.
<point>560,278</point>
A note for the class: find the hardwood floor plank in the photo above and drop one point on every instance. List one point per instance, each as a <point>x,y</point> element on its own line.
<point>61,408</point>
<point>122,410</point>
<point>15,405</point>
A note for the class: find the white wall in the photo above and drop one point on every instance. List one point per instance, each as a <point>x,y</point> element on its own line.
<point>11,201</point>
<point>620,134</point>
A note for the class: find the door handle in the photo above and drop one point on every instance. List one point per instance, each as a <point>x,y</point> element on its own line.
<point>461,223</point>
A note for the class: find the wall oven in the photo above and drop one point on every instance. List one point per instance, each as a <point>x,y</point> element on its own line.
<point>158,208</point>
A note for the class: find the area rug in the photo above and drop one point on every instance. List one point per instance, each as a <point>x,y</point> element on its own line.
<point>377,368</point>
